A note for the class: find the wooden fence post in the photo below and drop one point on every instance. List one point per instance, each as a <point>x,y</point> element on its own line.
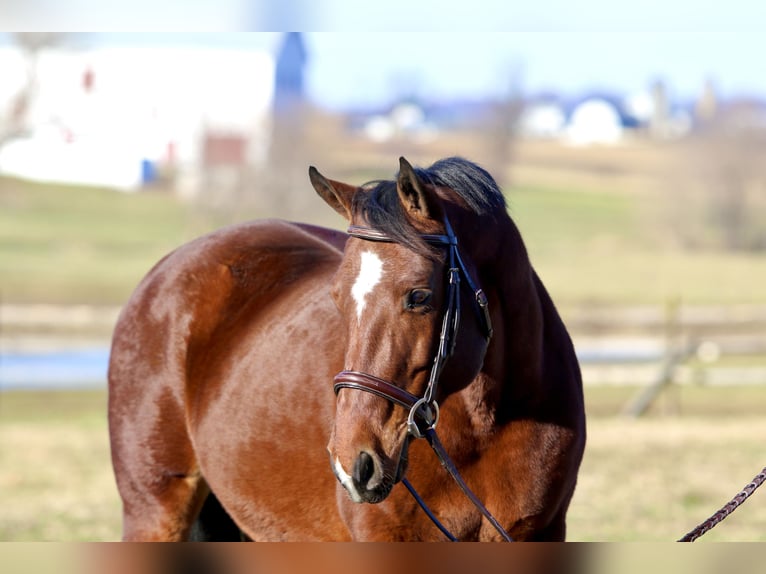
<point>677,351</point>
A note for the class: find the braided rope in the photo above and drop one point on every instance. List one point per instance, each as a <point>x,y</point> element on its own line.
<point>727,509</point>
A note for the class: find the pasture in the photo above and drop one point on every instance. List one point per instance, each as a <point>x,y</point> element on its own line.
<point>590,243</point>
<point>651,479</point>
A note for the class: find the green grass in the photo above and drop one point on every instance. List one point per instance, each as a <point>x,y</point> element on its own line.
<point>66,244</point>
<point>85,407</point>
<point>71,244</point>
<point>557,220</point>
<point>599,247</point>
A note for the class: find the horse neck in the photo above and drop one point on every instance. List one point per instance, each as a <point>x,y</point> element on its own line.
<point>511,377</point>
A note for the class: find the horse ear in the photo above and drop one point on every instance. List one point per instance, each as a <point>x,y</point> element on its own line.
<point>418,198</point>
<point>336,194</point>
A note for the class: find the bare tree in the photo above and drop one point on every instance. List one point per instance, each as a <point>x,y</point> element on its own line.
<point>501,129</point>
<point>717,195</point>
<point>32,44</point>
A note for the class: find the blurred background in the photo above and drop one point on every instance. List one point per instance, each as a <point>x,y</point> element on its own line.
<point>631,161</point>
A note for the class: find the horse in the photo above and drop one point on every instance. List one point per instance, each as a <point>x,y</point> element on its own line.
<point>268,381</point>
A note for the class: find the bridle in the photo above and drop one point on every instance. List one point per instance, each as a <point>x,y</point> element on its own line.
<point>424,411</point>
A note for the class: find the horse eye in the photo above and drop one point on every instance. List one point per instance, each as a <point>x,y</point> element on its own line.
<point>417,298</point>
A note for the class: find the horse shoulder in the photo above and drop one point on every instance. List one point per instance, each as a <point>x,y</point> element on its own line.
<point>201,288</point>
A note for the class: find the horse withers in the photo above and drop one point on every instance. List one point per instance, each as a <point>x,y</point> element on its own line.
<point>222,409</point>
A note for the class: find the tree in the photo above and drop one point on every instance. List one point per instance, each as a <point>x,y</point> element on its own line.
<point>31,44</point>
<point>716,196</point>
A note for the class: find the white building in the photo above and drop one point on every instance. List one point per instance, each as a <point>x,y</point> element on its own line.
<point>108,116</point>
<point>544,120</point>
<point>594,121</point>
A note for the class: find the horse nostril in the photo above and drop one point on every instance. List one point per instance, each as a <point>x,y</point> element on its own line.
<point>364,468</point>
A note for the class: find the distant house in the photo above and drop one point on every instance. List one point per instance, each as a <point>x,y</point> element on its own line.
<point>594,121</point>
<point>404,119</point>
<point>542,119</point>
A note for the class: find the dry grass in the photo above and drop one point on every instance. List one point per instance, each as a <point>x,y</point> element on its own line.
<point>652,479</point>
<point>56,480</point>
<point>57,484</point>
<point>656,479</point>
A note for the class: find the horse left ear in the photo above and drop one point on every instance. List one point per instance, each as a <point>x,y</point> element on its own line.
<point>336,194</point>
<point>418,197</point>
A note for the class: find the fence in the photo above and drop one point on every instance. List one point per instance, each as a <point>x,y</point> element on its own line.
<point>648,346</point>
<point>654,347</point>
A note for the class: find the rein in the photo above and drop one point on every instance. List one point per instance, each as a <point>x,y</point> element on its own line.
<point>424,411</point>
<point>727,509</point>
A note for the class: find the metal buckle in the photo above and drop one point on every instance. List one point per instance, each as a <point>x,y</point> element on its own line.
<point>433,414</point>
<point>483,302</point>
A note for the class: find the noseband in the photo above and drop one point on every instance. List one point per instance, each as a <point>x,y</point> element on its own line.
<point>424,411</point>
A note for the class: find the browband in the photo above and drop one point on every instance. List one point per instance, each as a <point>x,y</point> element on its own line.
<point>449,239</point>
<point>371,234</point>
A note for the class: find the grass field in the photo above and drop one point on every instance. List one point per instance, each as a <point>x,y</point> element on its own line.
<point>651,479</point>
<point>55,476</point>
<point>61,244</point>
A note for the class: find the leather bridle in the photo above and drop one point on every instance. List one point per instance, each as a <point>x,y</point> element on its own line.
<point>424,411</point>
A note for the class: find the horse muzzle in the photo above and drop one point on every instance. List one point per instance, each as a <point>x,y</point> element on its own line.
<point>370,478</point>
<point>366,480</point>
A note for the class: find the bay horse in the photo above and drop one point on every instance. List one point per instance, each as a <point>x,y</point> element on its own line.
<point>222,408</point>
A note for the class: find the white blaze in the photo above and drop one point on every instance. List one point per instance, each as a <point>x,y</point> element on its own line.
<point>370,272</point>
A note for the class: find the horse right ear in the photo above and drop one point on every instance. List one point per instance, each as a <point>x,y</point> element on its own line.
<point>336,194</point>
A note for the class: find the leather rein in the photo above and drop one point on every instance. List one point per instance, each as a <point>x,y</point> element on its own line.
<point>424,411</point>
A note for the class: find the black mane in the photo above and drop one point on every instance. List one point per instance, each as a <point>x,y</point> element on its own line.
<point>382,210</point>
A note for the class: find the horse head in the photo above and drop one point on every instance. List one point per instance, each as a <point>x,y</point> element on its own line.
<point>403,280</point>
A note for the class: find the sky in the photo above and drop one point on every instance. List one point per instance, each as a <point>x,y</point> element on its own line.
<point>348,69</point>
<point>371,69</point>
<point>368,53</point>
